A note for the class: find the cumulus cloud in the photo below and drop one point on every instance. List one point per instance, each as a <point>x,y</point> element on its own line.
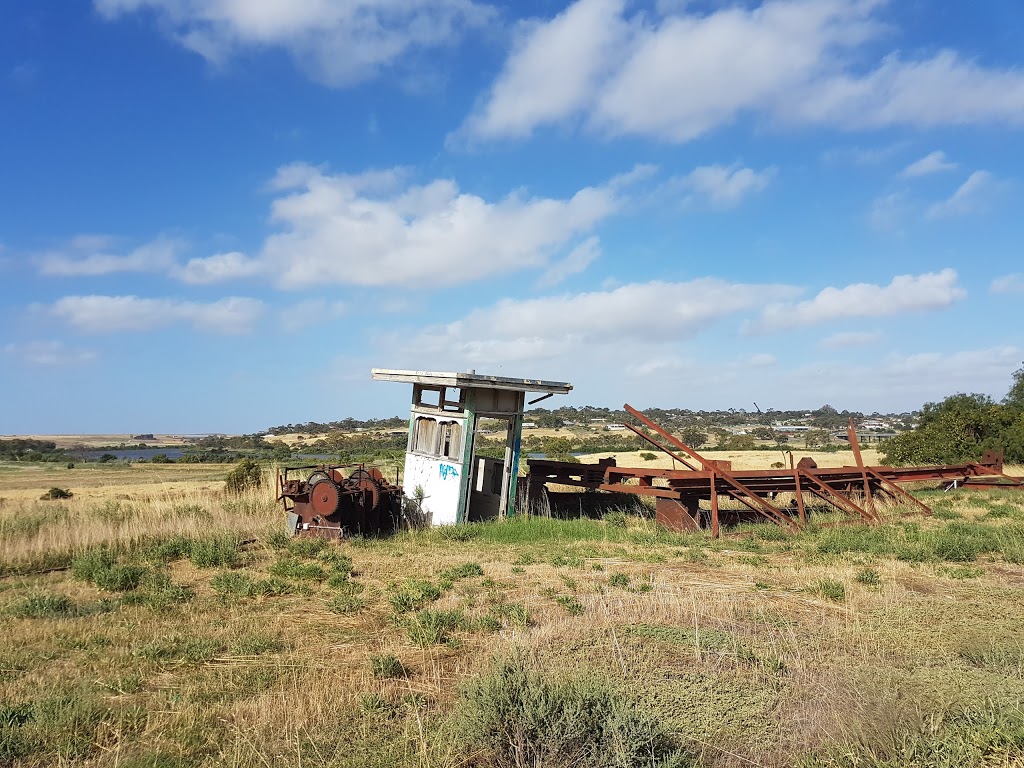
<point>970,197</point>
<point>92,255</point>
<point>49,354</point>
<point>1008,284</point>
<point>374,229</point>
<point>217,268</point>
<point>337,43</point>
<point>933,162</point>
<point>106,314</point>
<point>553,326</point>
<point>675,74</point>
<point>723,186</point>
<point>906,293</point>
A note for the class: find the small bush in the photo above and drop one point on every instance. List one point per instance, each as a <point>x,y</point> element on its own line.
<point>647,456</point>
<point>293,568</point>
<point>56,493</point>
<point>571,605</point>
<point>348,602</point>
<point>44,606</point>
<point>257,644</point>
<point>428,627</point>
<point>518,715</point>
<point>88,565</point>
<point>223,551</point>
<point>619,580</point>
<point>386,666</point>
<point>247,474</point>
<point>413,595</point>
<point>869,577</point>
<point>464,571</point>
<point>830,589</point>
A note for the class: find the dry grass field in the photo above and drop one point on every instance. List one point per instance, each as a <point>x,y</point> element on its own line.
<point>152,620</point>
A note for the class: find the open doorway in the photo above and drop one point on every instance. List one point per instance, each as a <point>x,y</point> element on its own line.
<point>492,467</point>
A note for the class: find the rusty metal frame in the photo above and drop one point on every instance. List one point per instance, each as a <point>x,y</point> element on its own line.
<point>684,489</point>
<point>738,491</point>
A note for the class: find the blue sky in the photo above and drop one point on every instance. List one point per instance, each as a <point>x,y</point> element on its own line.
<point>218,215</point>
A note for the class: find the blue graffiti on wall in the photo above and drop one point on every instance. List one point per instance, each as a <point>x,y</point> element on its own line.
<point>447,470</point>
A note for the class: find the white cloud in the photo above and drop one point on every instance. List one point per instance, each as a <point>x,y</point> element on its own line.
<point>933,162</point>
<point>970,197</point>
<point>1008,284</point>
<point>678,73</point>
<point>763,360</point>
<point>848,339</point>
<point>336,42</point>
<point>371,229</point>
<point>90,255</point>
<point>50,354</point>
<point>578,259</point>
<point>723,186</point>
<point>104,314</point>
<point>555,69</point>
<point>906,293</point>
<point>556,326</point>
<point>217,268</point>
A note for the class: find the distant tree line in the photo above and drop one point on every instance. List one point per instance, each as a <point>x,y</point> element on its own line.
<point>962,427</point>
<point>26,449</point>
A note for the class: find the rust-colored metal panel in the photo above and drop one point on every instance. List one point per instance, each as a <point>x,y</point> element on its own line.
<point>677,516</point>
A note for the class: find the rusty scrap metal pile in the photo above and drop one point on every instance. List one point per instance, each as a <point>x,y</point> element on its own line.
<point>679,492</point>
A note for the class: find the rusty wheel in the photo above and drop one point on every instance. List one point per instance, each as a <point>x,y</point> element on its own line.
<point>324,497</point>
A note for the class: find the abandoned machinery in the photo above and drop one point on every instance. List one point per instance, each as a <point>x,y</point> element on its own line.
<point>336,501</point>
<point>678,493</point>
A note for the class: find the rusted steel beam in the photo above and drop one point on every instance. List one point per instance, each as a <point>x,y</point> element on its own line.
<point>755,502</point>
<point>851,435</point>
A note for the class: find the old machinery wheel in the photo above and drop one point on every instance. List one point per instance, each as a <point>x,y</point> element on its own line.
<point>363,480</point>
<point>324,497</point>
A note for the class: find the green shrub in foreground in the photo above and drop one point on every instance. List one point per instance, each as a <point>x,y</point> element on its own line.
<point>519,715</point>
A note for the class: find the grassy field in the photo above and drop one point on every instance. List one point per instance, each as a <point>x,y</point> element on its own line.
<point>152,620</point>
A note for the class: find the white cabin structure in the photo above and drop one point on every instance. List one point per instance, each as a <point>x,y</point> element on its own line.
<point>443,472</point>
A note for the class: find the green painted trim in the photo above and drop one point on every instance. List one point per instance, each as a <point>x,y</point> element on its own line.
<point>466,478</point>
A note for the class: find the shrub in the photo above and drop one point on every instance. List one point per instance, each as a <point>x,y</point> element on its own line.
<point>830,589</point>
<point>647,456</point>
<point>571,605</point>
<point>869,577</point>
<point>517,715</point>
<point>435,627</point>
<point>217,552</point>
<point>44,606</point>
<point>293,568</point>
<point>414,594</point>
<point>247,474</point>
<point>386,666</point>
<point>619,580</point>
<point>464,571</point>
